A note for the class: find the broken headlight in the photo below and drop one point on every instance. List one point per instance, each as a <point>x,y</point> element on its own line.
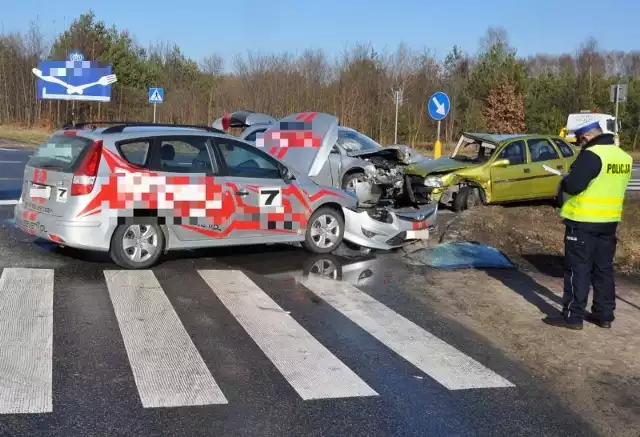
<point>380,215</point>
<point>433,181</point>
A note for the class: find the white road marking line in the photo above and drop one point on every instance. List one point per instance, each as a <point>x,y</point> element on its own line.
<point>436,358</point>
<point>11,162</point>
<point>10,179</point>
<point>167,367</point>
<point>26,341</point>
<point>8,202</point>
<point>310,368</point>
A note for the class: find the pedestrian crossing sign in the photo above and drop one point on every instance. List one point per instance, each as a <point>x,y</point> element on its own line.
<point>156,95</point>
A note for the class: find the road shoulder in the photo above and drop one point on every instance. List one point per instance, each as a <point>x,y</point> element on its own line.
<point>596,371</point>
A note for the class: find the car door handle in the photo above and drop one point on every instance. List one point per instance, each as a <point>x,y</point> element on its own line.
<point>242,193</point>
<point>527,170</point>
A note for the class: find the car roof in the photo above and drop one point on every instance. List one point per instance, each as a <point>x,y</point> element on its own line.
<point>137,129</point>
<point>499,138</point>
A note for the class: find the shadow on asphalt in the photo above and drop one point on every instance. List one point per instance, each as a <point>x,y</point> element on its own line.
<point>525,286</point>
<point>553,265</point>
<point>219,252</point>
<point>550,265</point>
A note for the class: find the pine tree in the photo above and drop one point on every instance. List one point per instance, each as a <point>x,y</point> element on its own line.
<point>504,109</point>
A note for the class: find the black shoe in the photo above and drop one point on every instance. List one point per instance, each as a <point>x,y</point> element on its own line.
<point>592,319</point>
<point>561,322</point>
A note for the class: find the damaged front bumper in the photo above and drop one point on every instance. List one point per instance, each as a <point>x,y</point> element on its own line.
<point>388,228</point>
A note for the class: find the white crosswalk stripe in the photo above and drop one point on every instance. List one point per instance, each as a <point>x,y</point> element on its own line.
<point>26,339</point>
<point>167,368</point>
<point>166,365</point>
<point>634,185</point>
<point>442,362</point>
<point>313,371</point>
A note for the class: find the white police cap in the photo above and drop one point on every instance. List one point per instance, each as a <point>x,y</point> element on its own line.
<point>586,127</point>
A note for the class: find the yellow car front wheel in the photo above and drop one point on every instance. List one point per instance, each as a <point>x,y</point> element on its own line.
<point>466,198</point>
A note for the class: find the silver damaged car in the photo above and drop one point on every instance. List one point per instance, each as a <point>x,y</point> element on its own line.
<point>390,211</point>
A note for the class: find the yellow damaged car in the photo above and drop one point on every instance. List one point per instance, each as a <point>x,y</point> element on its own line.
<point>488,168</point>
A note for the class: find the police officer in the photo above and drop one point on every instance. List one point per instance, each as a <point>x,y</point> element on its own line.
<point>593,194</point>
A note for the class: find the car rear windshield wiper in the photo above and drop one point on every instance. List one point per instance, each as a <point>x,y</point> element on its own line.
<point>58,166</point>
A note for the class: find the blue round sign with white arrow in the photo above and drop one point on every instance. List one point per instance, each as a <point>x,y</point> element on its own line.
<point>439,106</point>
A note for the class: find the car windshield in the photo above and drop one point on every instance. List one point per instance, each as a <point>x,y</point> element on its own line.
<point>59,152</point>
<point>474,152</point>
<point>353,141</point>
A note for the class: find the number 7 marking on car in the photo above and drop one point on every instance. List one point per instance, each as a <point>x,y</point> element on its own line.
<point>270,197</point>
<point>62,195</point>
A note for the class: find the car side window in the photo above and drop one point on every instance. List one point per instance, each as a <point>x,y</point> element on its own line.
<point>565,148</point>
<point>182,155</point>
<point>135,152</point>
<point>253,135</point>
<point>515,153</point>
<point>541,149</point>
<point>246,161</point>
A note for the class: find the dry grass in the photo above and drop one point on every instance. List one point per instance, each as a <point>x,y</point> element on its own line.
<point>22,135</point>
<point>520,231</point>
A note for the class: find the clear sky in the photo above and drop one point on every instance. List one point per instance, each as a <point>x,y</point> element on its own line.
<point>203,27</point>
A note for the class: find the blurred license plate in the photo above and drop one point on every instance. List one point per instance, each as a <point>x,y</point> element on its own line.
<point>421,234</point>
<point>39,192</point>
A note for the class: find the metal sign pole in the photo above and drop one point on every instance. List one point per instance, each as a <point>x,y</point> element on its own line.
<point>615,129</point>
<point>438,146</point>
<point>154,112</point>
<point>395,136</point>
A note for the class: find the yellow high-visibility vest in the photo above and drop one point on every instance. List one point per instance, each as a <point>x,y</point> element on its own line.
<point>603,199</point>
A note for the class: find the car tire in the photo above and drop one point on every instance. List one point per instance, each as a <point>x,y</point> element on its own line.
<point>124,257</point>
<point>466,198</point>
<point>352,247</point>
<point>351,177</point>
<point>328,215</point>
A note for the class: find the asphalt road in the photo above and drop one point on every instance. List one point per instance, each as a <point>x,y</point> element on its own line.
<point>247,343</point>
<point>12,163</point>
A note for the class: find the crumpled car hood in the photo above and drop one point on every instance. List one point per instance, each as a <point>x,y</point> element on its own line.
<point>303,140</point>
<point>404,154</point>
<point>438,165</point>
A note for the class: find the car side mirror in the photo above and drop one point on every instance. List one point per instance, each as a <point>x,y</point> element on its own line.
<point>335,150</point>
<point>501,163</point>
<point>286,174</point>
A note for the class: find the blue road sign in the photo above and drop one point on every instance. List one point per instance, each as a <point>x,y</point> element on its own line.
<point>156,95</point>
<point>74,79</point>
<point>439,106</point>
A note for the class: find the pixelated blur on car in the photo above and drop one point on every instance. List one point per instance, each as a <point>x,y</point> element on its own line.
<point>137,190</point>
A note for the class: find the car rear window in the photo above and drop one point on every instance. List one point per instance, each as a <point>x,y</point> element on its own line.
<point>60,152</point>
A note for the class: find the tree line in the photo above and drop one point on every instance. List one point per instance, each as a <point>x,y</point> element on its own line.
<point>492,91</point>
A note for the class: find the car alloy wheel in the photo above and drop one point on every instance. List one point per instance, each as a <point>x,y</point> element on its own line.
<point>140,243</point>
<point>325,231</point>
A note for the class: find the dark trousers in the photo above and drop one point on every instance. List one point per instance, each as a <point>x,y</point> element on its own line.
<point>588,260</point>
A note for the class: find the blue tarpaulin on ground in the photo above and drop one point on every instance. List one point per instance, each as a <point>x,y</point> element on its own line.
<point>463,255</point>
